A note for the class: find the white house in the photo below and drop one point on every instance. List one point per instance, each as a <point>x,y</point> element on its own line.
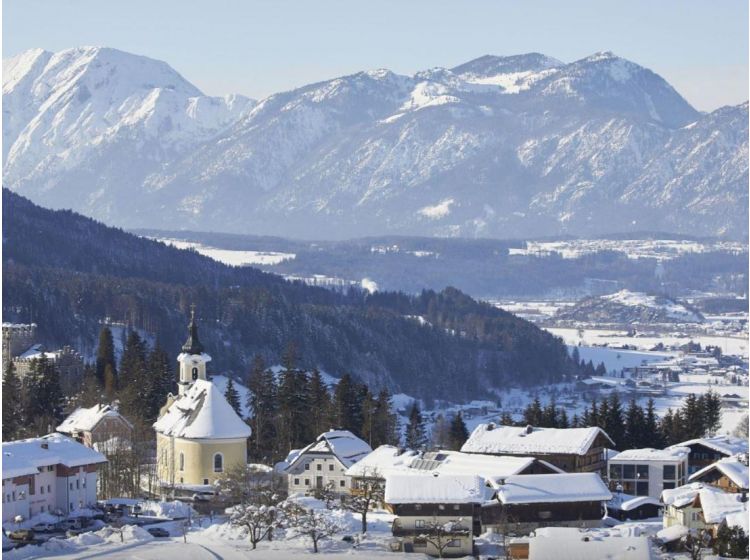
<point>97,425</point>
<point>48,474</point>
<point>324,462</point>
<point>648,472</point>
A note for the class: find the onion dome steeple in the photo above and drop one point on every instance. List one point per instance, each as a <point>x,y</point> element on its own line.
<point>192,344</point>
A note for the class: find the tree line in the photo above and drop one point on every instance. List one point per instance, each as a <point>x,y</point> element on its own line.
<point>633,426</point>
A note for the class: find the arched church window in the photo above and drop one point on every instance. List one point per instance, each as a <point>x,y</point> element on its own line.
<point>182,461</point>
<point>195,373</point>
<point>218,463</point>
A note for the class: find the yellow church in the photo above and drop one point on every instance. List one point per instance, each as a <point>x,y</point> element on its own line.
<point>198,433</point>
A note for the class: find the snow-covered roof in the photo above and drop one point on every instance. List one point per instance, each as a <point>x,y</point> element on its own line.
<point>570,543</point>
<point>716,505</point>
<point>672,533</point>
<point>202,412</point>
<point>85,419</point>
<point>24,457</point>
<point>649,454</point>
<point>731,467</point>
<point>682,495</point>
<point>35,352</point>
<point>487,466</point>
<point>490,438</point>
<point>628,502</point>
<point>548,488</point>
<point>728,445</point>
<point>347,447</point>
<point>383,461</point>
<point>428,488</point>
<point>738,519</point>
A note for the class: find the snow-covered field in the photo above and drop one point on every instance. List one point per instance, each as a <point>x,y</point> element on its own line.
<point>661,249</point>
<point>730,345</point>
<point>229,256</point>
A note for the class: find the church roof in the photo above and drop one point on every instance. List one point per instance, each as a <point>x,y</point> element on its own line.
<point>202,413</point>
<point>192,344</point>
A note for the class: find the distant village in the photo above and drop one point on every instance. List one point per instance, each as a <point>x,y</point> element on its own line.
<point>531,487</point>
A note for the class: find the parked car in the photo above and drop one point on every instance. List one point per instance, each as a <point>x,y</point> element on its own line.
<point>158,532</point>
<point>43,528</point>
<point>22,535</point>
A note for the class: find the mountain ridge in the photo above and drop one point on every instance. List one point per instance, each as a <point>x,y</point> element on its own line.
<point>596,146</point>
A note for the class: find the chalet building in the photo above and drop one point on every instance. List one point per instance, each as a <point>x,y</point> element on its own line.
<point>647,472</point>
<point>100,426</point>
<point>523,503</point>
<point>435,511</point>
<point>324,463</point>
<point>716,506</point>
<point>706,451</point>
<point>729,475</point>
<point>627,507</point>
<point>682,507</point>
<point>50,474</point>
<point>569,449</point>
<point>198,434</point>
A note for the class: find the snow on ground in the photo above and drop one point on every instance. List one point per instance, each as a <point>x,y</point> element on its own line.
<point>730,345</point>
<point>669,307</point>
<point>661,249</point>
<point>229,256</point>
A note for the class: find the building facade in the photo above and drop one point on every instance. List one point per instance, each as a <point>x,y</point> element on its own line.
<point>648,472</point>
<point>52,474</point>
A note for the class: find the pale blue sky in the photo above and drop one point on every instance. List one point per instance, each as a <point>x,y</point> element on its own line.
<point>261,47</point>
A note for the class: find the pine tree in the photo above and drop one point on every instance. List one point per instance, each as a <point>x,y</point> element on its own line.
<point>385,431</point>
<point>635,432</point>
<point>458,432</point>
<point>134,383</point>
<point>263,404</point>
<point>345,403</point>
<point>91,391</point>
<point>692,417</point>
<point>320,403</point>
<point>233,397</point>
<point>711,412</point>
<point>416,437</point>
<point>110,383</point>
<point>532,415</point>
<point>42,397</point>
<point>506,419</point>
<point>651,428</point>
<point>601,370</point>
<point>161,381</point>
<point>575,422</point>
<point>105,354</point>
<point>293,423</point>
<point>12,405</point>
<point>368,406</point>
<point>614,423</point>
<point>563,420</point>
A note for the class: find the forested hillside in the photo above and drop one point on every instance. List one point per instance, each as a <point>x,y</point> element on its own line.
<point>68,273</point>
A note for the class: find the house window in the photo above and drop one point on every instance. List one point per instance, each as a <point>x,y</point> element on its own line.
<point>330,467</point>
<point>41,489</point>
<point>296,481</point>
<point>218,462</point>
<point>205,481</point>
<point>49,489</point>
<point>71,485</point>
<point>307,466</point>
<point>342,483</point>
<point>307,482</point>
<point>668,485</point>
<point>182,461</point>
<point>628,471</point>
<point>419,524</point>
<point>456,507</point>
<point>641,471</point>
<point>418,507</point>
<point>78,484</point>
<point>195,373</point>
<point>669,472</point>
<point>320,467</point>
<point>455,543</point>
<point>641,489</point>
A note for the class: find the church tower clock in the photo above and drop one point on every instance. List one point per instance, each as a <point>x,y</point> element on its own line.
<point>193,359</point>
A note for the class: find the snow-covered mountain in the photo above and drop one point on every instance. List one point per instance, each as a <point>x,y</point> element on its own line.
<point>626,307</point>
<point>517,146</point>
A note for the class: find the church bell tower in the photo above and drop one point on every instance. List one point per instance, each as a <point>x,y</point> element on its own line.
<point>193,359</point>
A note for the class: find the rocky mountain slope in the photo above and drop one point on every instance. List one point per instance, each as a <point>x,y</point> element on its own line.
<point>517,146</point>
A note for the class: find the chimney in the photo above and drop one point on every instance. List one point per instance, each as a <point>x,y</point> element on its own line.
<point>529,428</point>
<point>490,426</point>
<point>743,495</point>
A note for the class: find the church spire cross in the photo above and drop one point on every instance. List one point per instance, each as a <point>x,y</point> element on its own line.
<point>192,344</point>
